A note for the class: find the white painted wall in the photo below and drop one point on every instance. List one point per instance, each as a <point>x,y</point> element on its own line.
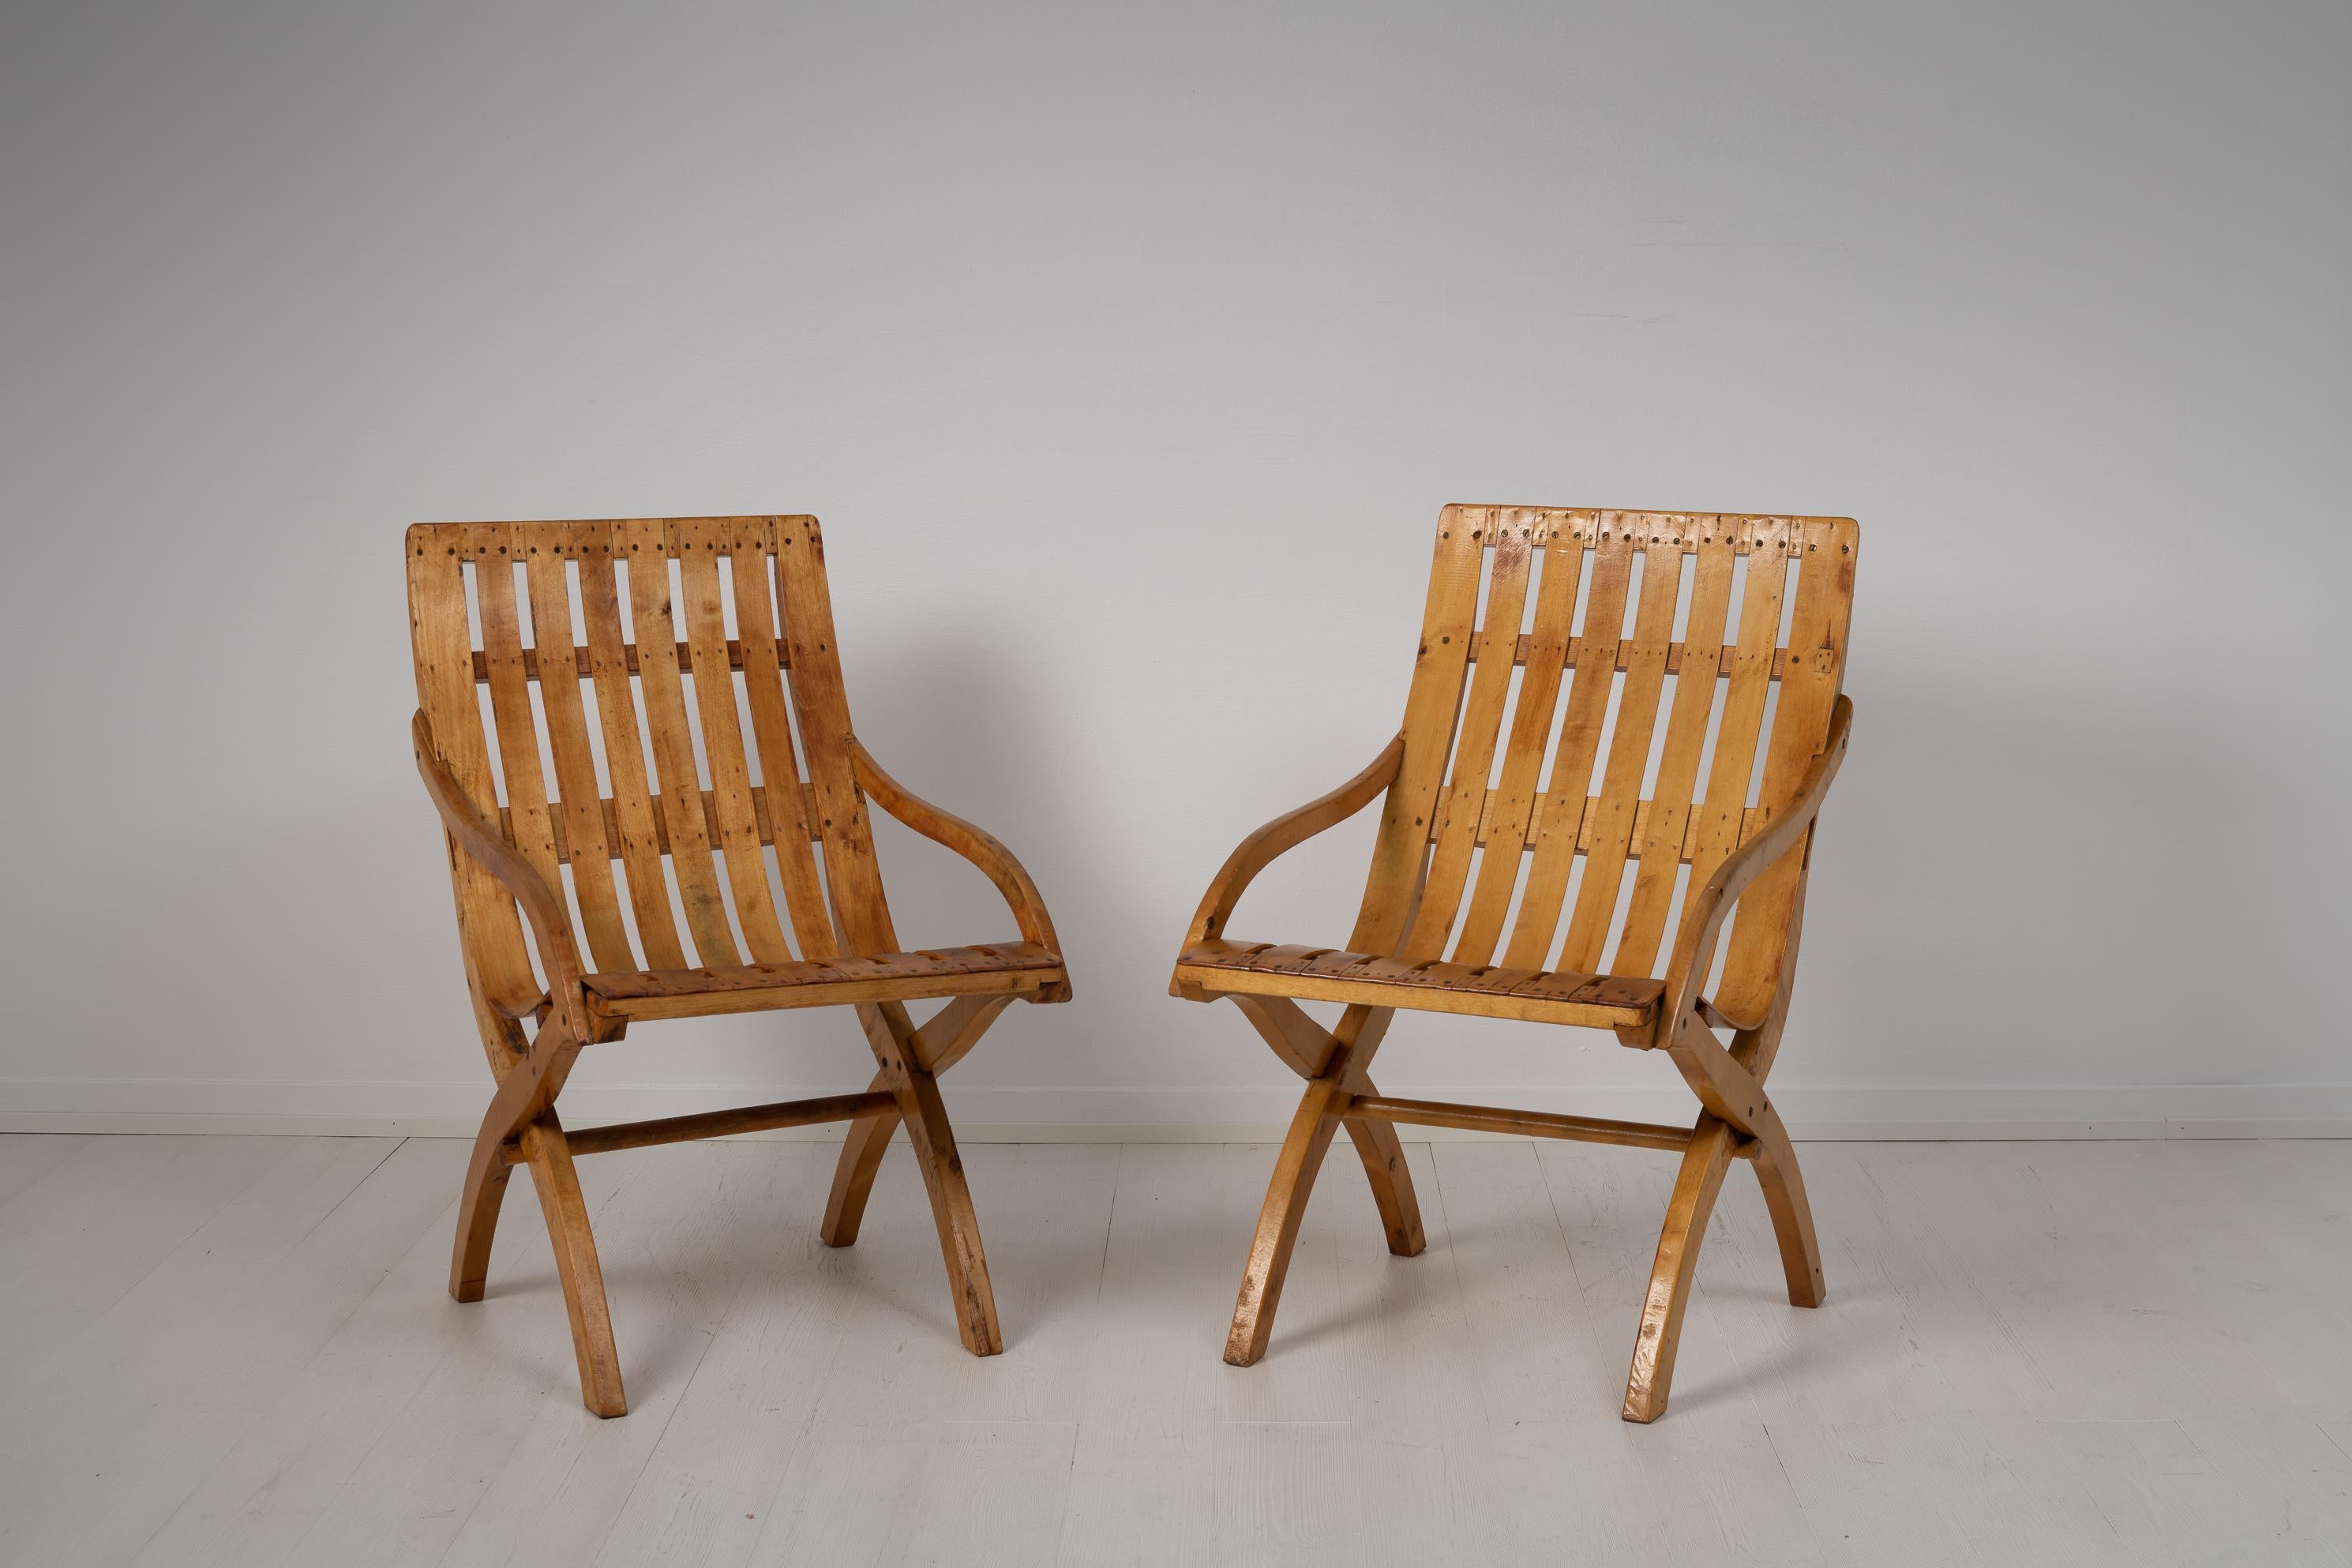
<point>1127,353</point>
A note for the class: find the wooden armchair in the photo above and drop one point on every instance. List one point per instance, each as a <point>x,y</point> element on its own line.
<point>1604,857</point>
<point>692,622</point>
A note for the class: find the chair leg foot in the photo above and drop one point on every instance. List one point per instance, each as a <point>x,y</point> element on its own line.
<point>477,1221</point>
<point>959,1225</point>
<point>1701,1177</point>
<point>1792,1218</point>
<point>551,1171</point>
<point>1277,1223</point>
<point>853,1177</point>
<point>892,1036</point>
<point>1382,1151</point>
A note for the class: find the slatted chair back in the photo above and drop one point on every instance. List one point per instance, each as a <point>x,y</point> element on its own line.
<point>589,684</point>
<point>1641,654</point>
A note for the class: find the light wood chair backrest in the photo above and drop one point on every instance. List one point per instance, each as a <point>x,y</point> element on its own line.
<point>1644,618</point>
<point>649,642</point>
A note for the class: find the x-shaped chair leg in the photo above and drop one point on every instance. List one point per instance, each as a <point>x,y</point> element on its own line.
<point>943,1041</point>
<point>1305,1048</point>
<point>1335,1064</point>
<point>910,1060</point>
<point>522,1112</point>
<point>1738,1119</point>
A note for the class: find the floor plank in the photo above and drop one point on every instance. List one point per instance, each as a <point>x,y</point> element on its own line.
<point>178,1369</point>
<point>96,1222</point>
<point>241,1350</point>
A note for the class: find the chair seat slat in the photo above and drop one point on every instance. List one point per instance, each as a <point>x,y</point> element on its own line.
<point>649,546</point>
<point>1823,550</point>
<point>992,967</point>
<point>733,819</point>
<point>635,825</point>
<point>1514,805</point>
<point>794,808</point>
<point>1607,831</point>
<point>1677,652</point>
<point>578,659</point>
<point>602,842</point>
<point>1430,708</point>
<point>1461,805</point>
<point>1312,974</point>
<point>440,640</point>
<point>852,880</point>
<point>1661,835</point>
<point>586,837</point>
<point>1644,824</point>
<point>1721,815</point>
<point>529,824</point>
<point>1586,712</point>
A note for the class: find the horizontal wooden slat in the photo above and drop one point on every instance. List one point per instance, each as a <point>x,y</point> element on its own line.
<point>993,968</point>
<point>1532,1123</point>
<point>1330,975</point>
<point>661,831</point>
<point>1645,522</point>
<point>1576,651</point>
<point>1752,819</point>
<point>629,650</point>
<point>720,1123</point>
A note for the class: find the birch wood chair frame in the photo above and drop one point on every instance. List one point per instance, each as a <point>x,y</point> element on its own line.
<point>1734,801</point>
<point>655,639</point>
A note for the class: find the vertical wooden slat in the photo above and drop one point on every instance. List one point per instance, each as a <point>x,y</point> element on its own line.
<point>1765,542</point>
<point>698,546</point>
<point>1825,558</point>
<point>763,687</point>
<point>852,876</point>
<point>1670,800</point>
<point>1609,832</point>
<point>1465,797</point>
<point>1515,795</point>
<point>1399,854</point>
<point>567,742</point>
<point>443,649</point>
<point>624,756</point>
<point>648,544</point>
<point>1580,740</point>
<point>529,824</point>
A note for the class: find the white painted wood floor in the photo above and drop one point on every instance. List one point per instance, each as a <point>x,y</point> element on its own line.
<point>239,1351</point>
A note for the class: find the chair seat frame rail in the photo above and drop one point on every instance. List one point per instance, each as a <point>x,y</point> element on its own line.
<point>1607,735</point>
<point>665,696</point>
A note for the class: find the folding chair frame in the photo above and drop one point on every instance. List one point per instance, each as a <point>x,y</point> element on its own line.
<point>1755,858</point>
<point>510,856</point>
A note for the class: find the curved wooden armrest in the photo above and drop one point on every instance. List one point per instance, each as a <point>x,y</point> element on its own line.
<point>478,835</point>
<point>1286,832</point>
<point>1703,923</point>
<point>994,860</point>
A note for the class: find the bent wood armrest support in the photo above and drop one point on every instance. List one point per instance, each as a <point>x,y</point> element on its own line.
<point>1285,832</point>
<point>479,837</point>
<point>982,848</point>
<point>1703,922</point>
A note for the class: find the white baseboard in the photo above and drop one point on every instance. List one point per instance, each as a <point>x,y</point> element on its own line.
<point>983,1115</point>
